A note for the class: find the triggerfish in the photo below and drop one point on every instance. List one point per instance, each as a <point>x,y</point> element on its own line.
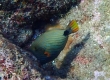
<point>48,46</point>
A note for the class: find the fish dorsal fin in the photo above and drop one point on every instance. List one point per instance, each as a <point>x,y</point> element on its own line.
<point>53,27</point>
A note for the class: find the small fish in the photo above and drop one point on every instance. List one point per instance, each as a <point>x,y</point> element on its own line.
<point>48,46</point>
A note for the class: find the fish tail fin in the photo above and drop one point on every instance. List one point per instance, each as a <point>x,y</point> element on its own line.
<point>71,28</point>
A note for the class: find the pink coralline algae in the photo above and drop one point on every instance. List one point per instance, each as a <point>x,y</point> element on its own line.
<point>13,65</point>
<point>6,65</point>
<point>82,60</point>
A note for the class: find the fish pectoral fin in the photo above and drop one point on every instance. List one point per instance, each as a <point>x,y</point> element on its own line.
<point>47,54</point>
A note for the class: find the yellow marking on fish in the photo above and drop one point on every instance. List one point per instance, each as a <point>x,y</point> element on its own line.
<point>71,23</point>
<point>47,54</point>
<point>76,29</point>
<point>74,26</point>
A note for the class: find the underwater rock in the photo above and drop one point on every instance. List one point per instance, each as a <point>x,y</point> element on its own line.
<point>16,63</point>
<point>20,18</point>
<point>19,22</point>
<point>16,35</point>
<point>38,8</point>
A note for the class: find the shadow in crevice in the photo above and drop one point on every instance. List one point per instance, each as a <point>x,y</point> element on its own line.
<point>64,69</point>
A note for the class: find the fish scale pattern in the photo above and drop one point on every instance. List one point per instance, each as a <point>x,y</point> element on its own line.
<point>47,42</point>
<point>53,43</point>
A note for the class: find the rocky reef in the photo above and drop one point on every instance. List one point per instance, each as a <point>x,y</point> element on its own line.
<point>21,21</point>
<point>89,56</point>
<point>38,8</point>
<point>21,18</point>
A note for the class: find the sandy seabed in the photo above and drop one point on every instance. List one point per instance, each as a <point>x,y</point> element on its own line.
<point>93,59</point>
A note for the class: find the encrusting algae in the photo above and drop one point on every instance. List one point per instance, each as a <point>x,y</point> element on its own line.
<point>48,46</point>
